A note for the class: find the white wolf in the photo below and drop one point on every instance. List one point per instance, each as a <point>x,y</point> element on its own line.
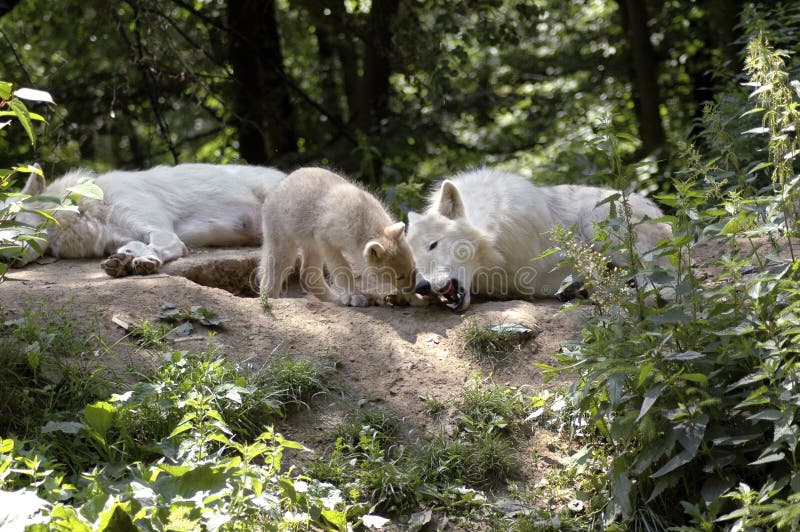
<point>149,217</point>
<point>340,226</point>
<point>482,228</point>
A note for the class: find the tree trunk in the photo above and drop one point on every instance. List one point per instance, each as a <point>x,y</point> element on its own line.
<point>377,64</point>
<point>7,5</point>
<point>719,30</point>
<point>375,86</point>
<point>643,63</point>
<point>263,112</point>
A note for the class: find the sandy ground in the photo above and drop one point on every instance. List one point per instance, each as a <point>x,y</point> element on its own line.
<point>389,356</point>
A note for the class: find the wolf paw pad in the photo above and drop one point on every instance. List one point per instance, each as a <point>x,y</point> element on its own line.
<point>118,265</point>
<point>145,265</point>
<point>355,300</point>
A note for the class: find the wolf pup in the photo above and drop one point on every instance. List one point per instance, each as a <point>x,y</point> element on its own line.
<point>149,217</point>
<point>482,228</point>
<point>340,226</point>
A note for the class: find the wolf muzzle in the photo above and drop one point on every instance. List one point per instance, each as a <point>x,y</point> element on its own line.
<point>423,288</point>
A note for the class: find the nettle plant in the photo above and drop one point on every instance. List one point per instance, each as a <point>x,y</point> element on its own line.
<point>14,110</point>
<point>696,399</point>
<point>189,449</point>
<point>16,236</point>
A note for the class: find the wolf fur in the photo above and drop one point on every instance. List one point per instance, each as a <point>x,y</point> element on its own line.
<point>149,217</point>
<point>482,228</point>
<point>340,226</point>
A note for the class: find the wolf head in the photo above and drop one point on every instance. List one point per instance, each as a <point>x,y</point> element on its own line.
<point>25,222</point>
<point>447,249</point>
<point>390,261</point>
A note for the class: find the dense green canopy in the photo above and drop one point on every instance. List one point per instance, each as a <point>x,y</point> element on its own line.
<point>386,90</point>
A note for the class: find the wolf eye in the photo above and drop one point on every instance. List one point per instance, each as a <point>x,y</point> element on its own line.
<point>433,245</point>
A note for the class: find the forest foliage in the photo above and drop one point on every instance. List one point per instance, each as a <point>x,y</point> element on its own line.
<point>392,92</point>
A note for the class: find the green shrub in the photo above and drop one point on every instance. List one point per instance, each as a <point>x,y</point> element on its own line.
<point>695,401</point>
<point>177,452</point>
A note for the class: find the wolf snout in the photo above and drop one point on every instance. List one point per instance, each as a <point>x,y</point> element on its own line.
<point>423,287</point>
<point>452,294</point>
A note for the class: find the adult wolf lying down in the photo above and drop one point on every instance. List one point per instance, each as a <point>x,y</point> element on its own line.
<point>149,217</point>
<point>482,228</point>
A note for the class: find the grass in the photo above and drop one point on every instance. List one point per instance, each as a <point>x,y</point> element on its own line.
<point>47,368</point>
<point>485,409</point>
<point>150,335</point>
<point>494,343</point>
<point>264,300</point>
<point>433,406</point>
<point>295,381</point>
<point>203,410</point>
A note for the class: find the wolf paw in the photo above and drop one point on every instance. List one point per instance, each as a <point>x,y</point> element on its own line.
<point>354,300</point>
<point>118,265</point>
<point>414,300</point>
<point>145,265</point>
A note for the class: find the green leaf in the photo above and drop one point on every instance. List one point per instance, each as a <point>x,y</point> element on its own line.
<point>768,459</point>
<point>766,415</point>
<point>736,439</point>
<point>680,459</point>
<point>684,356</point>
<point>68,519</point>
<point>759,166</point>
<point>738,330</point>
<point>203,478</point>
<point>546,253</point>
<point>621,486</point>
<point>714,487</point>
<point>67,427</point>
<point>699,378</point>
<point>21,112</point>
<point>673,315</point>
<point>100,417</point>
<point>29,169</point>
<point>738,224</point>
<point>690,433</point>
<point>5,90</point>
<point>180,429</point>
<point>644,372</point>
<point>337,518</point>
<point>88,189</point>
<point>756,131</point>
<point>174,470</point>
<point>649,399</point>
<point>6,446</point>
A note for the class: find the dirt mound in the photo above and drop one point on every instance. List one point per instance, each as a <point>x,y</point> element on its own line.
<point>387,355</point>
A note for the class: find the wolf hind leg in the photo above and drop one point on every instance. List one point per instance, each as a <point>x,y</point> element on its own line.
<point>277,260</point>
<point>138,258</point>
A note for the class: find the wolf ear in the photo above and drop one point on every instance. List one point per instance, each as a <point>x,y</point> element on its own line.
<point>450,204</point>
<point>35,184</point>
<point>413,217</point>
<point>394,231</point>
<point>374,250</point>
